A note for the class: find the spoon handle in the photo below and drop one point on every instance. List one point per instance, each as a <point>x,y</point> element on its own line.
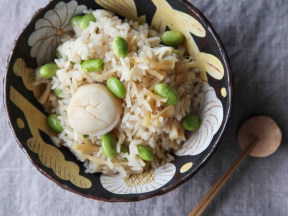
<point>202,205</point>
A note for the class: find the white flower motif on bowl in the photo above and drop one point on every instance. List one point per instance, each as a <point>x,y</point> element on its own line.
<point>49,30</point>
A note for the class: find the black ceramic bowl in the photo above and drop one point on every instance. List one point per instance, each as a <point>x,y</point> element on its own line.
<point>36,45</point>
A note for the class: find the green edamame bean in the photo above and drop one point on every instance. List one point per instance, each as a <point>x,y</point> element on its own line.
<point>191,122</point>
<point>172,38</point>
<point>176,52</point>
<point>85,21</point>
<point>116,87</point>
<point>92,65</point>
<point>57,92</point>
<point>124,149</point>
<point>75,20</point>
<point>48,70</point>
<point>54,123</point>
<point>145,152</point>
<point>165,91</point>
<point>108,144</point>
<point>120,47</point>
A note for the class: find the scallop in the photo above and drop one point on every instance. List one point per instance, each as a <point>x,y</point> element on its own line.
<point>94,110</point>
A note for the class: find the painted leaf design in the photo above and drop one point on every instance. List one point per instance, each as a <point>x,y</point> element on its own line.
<point>27,75</point>
<point>212,65</point>
<point>190,24</point>
<point>175,20</point>
<point>158,22</point>
<point>49,155</point>
<point>210,110</point>
<point>165,15</point>
<point>126,8</point>
<point>36,119</point>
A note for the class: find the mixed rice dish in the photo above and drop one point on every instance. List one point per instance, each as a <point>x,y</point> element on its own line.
<point>120,93</point>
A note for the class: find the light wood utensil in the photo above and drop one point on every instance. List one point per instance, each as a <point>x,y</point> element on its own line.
<point>259,136</point>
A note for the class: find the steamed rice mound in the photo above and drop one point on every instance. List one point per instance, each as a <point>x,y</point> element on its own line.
<point>146,118</point>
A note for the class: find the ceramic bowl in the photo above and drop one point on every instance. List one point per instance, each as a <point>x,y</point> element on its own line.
<point>27,118</point>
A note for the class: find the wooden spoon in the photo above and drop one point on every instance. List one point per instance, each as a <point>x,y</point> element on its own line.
<point>259,136</point>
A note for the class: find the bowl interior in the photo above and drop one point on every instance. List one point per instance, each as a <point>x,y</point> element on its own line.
<point>27,116</point>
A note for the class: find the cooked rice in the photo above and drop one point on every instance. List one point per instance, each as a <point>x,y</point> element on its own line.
<point>146,118</point>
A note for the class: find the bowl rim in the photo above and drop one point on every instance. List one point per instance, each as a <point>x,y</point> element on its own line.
<point>164,190</point>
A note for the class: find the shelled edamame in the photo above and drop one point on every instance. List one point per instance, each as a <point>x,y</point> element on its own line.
<point>172,38</point>
<point>58,92</point>
<point>75,20</point>
<point>145,152</point>
<point>191,122</point>
<point>120,47</point>
<point>108,145</point>
<point>116,87</point>
<point>176,52</point>
<point>85,21</point>
<point>48,70</point>
<point>54,123</point>
<point>92,65</point>
<point>165,91</point>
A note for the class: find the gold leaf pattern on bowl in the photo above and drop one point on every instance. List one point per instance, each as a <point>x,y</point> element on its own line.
<point>126,8</point>
<point>49,155</point>
<point>27,75</point>
<point>167,16</point>
<point>212,65</point>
